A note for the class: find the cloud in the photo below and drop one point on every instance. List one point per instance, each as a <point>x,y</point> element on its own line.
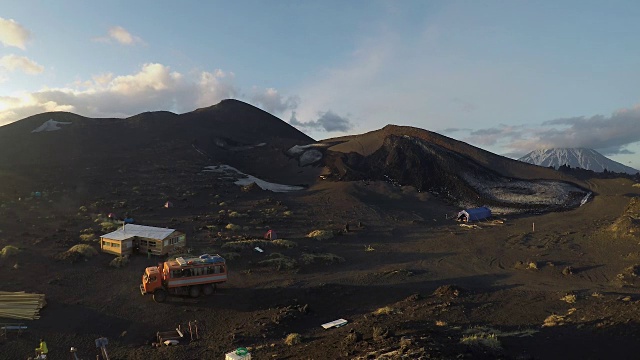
<point>120,35</point>
<point>609,135</point>
<point>492,136</point>
<point>13,34</point>
<point>154,87</point>
<point>464,105</point>
<point>13,62</point>
<point>327,121</point>
<point>452,130</point>
<point>214,87</point>
<point>272,101</point>
<point>359,86</point>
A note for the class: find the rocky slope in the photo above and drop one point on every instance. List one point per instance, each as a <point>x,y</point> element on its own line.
<point>459,172</point>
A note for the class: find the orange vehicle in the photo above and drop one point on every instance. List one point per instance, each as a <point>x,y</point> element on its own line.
<point>184,276</point>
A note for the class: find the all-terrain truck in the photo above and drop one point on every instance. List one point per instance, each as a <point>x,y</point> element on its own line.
<point>184,276</point>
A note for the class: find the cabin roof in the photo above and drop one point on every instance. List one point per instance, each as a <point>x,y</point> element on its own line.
<point>128,231</point>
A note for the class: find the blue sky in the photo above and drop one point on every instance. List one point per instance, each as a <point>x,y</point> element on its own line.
<point>506,76</point>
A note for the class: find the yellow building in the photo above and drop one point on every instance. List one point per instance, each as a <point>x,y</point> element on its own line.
<point>130,238</point>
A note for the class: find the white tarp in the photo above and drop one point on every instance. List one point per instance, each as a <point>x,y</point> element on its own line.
<point>335,323</point>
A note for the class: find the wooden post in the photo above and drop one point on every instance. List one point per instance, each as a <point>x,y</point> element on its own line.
<point>533,227</point>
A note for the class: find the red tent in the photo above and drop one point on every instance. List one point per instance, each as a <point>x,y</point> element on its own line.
<point>271,235</point>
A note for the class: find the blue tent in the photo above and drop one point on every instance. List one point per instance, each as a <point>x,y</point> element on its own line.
<point>474,214</point>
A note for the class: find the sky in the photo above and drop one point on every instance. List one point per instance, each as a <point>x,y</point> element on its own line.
<point>506,76</point>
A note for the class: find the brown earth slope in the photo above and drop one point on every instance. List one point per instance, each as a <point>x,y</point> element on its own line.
<point>458,172</point>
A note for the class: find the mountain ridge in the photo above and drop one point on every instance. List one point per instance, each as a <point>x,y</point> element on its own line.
<point>459,172</point>
<point>213,135</point>
<point>583,158</point>
<point>255,142</point>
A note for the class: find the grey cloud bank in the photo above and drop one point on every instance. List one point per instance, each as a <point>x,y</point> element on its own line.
<point>327,121</point>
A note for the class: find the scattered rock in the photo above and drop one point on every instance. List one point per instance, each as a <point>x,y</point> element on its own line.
<point>413,297</point>
<point>406,341</point>
<point>352,337</point>
<point>380,333</point>
<point>448,290</point>
<point>250,187</point>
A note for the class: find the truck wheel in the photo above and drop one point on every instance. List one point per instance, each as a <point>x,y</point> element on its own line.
<point>194,291</point>
<point>159,295</point>
<point>207,289</point>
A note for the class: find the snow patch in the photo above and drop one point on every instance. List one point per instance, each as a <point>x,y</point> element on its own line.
<point>310,157</point>
<point>307,154</point>
<point>299,149</point>
<point>50,125</point>
<point>243,179</point>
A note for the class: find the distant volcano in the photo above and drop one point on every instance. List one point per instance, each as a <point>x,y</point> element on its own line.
<point>587,159</point>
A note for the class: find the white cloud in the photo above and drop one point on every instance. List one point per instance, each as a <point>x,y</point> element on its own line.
<point>152,77</point>
<point>120,35</point>
<point>102,79</point>
<point>13,62</point>
<point>608,134</point>
<point>215,87</point>
<point>154,87</point>
<point>13,34</point>
<point>357,85</point>
<point>272,101</point>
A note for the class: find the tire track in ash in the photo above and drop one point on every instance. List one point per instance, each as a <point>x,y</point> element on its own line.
<point>437,267</point>
<point>487,264</point>
<point>593,274</point>
<point>467,265</point>
<point>493,261</point>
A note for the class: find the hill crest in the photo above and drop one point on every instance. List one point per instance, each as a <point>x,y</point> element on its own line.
<point>462,173</point>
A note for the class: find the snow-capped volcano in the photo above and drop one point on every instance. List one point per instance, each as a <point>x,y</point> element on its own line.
<point>588,159</point>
